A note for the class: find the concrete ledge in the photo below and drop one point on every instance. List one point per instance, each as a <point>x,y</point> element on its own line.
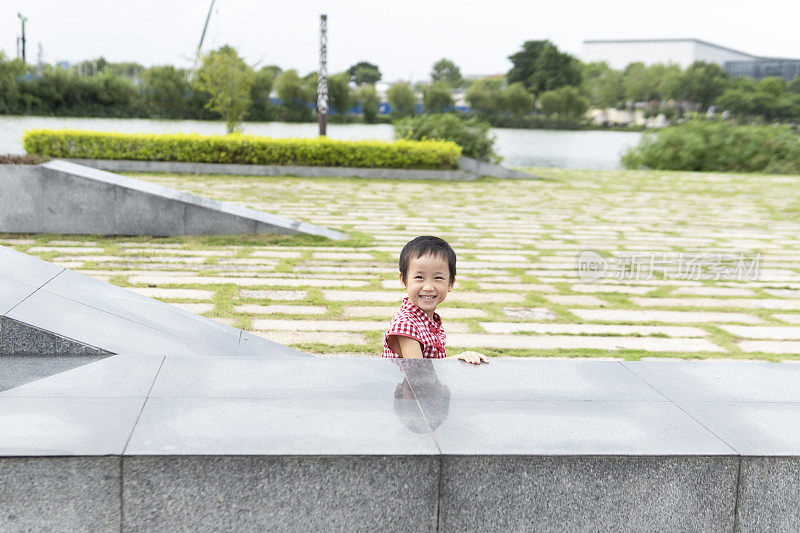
<point>769,494</point>
<point>60,494</point>
<point>279,493</point>
<point>274,170</point>
<point>586,493</point>
<point>469,169</point>
<point>253,443</point>
<point>345,493</point>
<point>64,197</point>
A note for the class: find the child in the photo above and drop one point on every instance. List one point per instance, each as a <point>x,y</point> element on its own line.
<point>427,272</point>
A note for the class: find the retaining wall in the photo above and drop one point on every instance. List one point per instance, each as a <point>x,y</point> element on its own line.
<point>64,197</point>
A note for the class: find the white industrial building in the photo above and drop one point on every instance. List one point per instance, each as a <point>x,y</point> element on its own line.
<point>683,52</point>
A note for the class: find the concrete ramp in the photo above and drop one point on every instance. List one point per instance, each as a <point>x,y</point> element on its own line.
<point>63,197</point>
<point>47,309</point>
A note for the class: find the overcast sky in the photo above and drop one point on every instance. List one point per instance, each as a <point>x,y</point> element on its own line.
<point>403,37</point>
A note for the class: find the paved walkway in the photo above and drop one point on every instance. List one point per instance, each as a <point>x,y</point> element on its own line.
<point>617,264</point>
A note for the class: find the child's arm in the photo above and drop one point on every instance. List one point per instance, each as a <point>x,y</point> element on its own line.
<point>470,357</point>
<point>408,348</point>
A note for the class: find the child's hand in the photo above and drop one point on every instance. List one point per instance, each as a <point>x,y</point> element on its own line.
<point>472,357</point>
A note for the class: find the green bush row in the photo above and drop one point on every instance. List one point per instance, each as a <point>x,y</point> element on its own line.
<point>705,145</point>
<point>247,149</point>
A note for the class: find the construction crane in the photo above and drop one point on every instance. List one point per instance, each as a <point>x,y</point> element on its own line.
<point>200,45</point>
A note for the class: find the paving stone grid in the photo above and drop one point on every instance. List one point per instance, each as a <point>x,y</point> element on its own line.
<point>519,291</point>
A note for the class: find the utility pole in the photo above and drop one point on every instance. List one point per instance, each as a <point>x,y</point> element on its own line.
<point>24,20</point>
<point>200,45</point>
<point>322,79</point>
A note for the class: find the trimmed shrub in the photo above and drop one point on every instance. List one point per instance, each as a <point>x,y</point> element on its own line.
<point>471,134</point>
<point>238,148</point>
<point>704,145</point>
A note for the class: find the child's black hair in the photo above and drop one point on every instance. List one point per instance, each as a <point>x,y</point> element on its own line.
<point>425,245</point>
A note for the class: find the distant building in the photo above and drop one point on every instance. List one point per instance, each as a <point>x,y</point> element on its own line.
<point>765,67</point>
<point>683,52</point>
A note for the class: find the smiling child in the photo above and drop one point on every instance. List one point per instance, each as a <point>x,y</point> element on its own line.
<point>427,272</point>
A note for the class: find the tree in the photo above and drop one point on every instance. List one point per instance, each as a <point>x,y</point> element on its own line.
<point>402,99</point>
<point>90,67</point>
<point>165,89</point>
<point>367,98</point>
<point>737,100</point>
<point>274,69</point>
<point>293,97</point>
<point>647,83</point>
<point>769,99</point>
<point>671,79</point>
<point>10,70</point>
<point>262,107</point>
<point>611,90</point>
<point>116,96</point>
<point>592,75</point>
<point>364,73</point>
<point>525,63</point>
<point>516,100</point>
<point>539,66</point>
<point>436,98</point>
<point>227,79</point>
<point>702,83</point>
<point>794,85</point>
<point>565,103</point>
<point>339,93</point>
<point>128,69</point>
<point>639,83</point>
<point>447,72</point>
<point>485,95</point>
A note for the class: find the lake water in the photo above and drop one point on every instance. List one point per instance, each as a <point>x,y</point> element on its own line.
<point>540,148</point>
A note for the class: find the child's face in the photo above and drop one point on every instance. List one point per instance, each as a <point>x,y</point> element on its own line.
<point>427,282</point>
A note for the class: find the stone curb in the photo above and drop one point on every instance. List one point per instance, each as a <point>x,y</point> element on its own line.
<point>471,169</point>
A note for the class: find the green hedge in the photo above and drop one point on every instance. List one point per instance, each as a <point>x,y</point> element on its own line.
<point>238,148</point>
<point>718,146</point>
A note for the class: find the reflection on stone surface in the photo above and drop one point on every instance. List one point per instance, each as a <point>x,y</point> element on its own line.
<point>435,403</point>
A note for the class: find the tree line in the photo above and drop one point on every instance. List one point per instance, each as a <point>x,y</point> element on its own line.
<point>544,87</point>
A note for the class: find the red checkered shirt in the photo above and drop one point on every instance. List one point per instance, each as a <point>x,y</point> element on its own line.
<point>411,321</point>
